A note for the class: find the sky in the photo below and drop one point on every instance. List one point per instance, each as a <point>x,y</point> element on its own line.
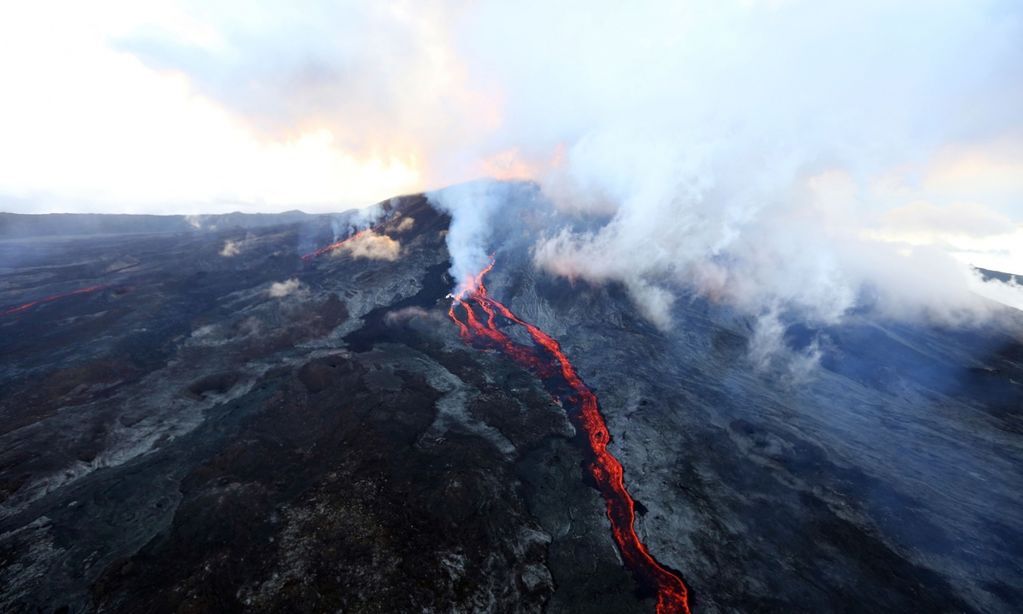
<point>735,126</point>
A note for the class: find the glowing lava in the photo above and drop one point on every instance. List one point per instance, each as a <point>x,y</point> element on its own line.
<point>333,246</point>
<point>51,298</point>
<point>672,595</point>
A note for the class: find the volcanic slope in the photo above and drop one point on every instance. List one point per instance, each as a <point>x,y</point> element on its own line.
<point>240,428</point>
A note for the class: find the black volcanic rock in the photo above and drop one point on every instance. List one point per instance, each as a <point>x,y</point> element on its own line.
<point>988,274</point>
<point>20,226</point>
<point>184,439</point>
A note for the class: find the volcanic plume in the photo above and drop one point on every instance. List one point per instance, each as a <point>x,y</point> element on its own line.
<point>565,385</point>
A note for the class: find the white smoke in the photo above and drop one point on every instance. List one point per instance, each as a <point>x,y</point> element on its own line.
<point>768,351</point>
<point>406,314</point>
<point>372,246</point>
<point>406,225</point>
<point>351,222</point>
<point>473,207</point>
<point>750,151</point>
<point>231,248</point>
<point>795,155</point>
<point>281,289</point>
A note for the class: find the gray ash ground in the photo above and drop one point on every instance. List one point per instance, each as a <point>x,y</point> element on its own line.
<point>184,440</point>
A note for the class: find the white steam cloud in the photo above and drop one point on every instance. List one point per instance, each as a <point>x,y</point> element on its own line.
<point>407,314</point>
<point>406,224</point>
<point>373,246</point>
<point>746,157</point>
<point>473,208</point>
<point>757,151</point>
<point>281,289</point>
<point>231,248</point>
<point>784,156</point>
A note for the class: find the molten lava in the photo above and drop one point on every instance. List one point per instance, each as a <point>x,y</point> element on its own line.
<point>51,298</point>
<point>333,246</point>
<point>672,595</point>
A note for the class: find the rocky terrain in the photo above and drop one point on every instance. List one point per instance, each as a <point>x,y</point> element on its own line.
<point>221,425</point>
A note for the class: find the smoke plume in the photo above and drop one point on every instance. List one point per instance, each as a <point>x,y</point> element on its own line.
<point>373,246</point>
<point>281,289</point>
<point>772,155</point>
<point>782,156</point>
<point>473,208</point>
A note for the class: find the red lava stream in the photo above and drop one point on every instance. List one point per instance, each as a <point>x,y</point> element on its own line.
<point>672,595</point>
<point>51,298</point>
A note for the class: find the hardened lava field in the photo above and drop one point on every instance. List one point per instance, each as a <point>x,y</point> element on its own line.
<point>205,420</point>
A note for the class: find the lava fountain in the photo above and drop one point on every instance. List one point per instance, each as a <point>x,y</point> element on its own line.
<point>51,298</point>
<point>607,471</point>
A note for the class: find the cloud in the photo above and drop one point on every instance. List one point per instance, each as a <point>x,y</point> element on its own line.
<point>134,137</point>
<point>280,289</point>
<point>383,79</point>
<point>322,103</point>
<point>956,219</point>
<point>1007,293</point>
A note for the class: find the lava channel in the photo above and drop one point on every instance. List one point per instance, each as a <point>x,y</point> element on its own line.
<point>607,472</point>
<point>333,246</point>
<point>51,298</point>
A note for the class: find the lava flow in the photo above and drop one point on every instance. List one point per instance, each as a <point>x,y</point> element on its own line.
<point>51,298</point>
<point>672,595</point>
<point>333,246</point>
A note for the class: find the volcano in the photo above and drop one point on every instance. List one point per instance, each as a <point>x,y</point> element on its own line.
<point>244,415</point>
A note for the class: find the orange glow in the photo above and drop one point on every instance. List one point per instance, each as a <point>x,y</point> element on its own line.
<point>508,164</point>
<point>512,164</point>
<point>607,471</point>
<point>51,298</point>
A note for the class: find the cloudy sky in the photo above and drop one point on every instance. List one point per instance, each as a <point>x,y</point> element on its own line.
<point>899,123</point>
